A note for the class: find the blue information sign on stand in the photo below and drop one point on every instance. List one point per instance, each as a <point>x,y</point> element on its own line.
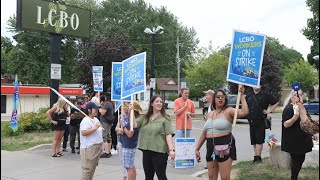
<point>246,57</point>
<point>185,154</point>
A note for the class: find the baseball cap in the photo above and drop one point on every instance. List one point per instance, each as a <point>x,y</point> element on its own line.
<point>210,91</point>
<point>137,107</point>
<point>91,105</point>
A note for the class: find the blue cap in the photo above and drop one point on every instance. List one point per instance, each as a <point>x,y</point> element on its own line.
<point>295,86</point>
<point>91,105</point>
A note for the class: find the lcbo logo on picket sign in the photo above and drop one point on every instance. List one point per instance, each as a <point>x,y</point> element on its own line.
<point>58,18</point>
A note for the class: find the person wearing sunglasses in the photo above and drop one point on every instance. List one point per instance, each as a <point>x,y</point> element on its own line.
<point>217,132</point>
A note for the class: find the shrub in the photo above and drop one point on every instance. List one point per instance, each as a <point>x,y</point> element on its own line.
<point>29,121</point>
<point>7,131</point>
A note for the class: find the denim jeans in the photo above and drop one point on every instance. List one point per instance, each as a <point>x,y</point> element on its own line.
<point>180,133</point>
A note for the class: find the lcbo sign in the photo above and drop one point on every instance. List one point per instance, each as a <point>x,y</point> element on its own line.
<point>61,22</point>
<point>53,17</point>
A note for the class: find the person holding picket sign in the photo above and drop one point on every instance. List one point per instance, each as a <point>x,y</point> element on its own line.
<point>221,149</point>
<point>129,139</point>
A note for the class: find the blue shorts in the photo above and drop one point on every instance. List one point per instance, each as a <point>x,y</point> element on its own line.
<point>128,156</point>
<point>180,133</point>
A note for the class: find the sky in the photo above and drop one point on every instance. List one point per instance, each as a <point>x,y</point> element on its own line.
<point>215,20</point>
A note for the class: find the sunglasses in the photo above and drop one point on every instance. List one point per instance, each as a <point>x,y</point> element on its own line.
<point>220,97</point>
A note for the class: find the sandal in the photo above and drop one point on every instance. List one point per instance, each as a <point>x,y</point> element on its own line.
<point>56,155</point>
<point>60,154</point>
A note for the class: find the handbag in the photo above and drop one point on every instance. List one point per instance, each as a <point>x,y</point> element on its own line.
<point>267,119</point>
<point>222,150</point>
<point>268,122</point>
<point>310,126</point>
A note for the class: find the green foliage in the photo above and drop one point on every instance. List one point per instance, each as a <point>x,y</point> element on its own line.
<point>32,121</point>
<point>206,73</point>
<point>282,54</point>
<point>102,52</point>
<point>132,17</point>
<point>264,171</point>
<point>312,29</point>
<point>172,97</point>
<point>302,72</point>
<point>7,131</point>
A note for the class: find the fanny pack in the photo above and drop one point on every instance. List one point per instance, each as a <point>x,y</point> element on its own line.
<point>223,149</point>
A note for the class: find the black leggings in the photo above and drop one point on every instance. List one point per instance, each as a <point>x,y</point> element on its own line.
<point>296,163</point>
<point>154,162</point>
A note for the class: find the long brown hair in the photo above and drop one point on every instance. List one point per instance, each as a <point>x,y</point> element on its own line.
<point>150,110</point>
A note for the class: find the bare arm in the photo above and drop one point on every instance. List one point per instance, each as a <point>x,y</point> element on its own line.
<point>128,132</point>
<point>49,112</point>
<point>201,140</point>
<point>179,111</point>
<point>303,113</point>
<point>170,146</point>
<point>244,107</point>
<point>169,142</point>
<point>270,110</point>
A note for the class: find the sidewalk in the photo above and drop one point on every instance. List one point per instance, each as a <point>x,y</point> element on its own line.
<point>22,165</point>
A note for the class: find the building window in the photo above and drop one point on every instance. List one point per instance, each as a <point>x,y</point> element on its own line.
<point>142,96</point>
<point>3,103</point>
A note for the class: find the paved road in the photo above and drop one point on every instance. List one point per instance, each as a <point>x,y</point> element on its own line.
<point>37,164</point>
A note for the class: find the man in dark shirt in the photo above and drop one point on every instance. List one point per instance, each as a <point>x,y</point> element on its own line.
<point>106,120</point>
<point>258,103</point>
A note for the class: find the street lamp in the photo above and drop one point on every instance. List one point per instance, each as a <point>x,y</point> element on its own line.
<point>153,32</point>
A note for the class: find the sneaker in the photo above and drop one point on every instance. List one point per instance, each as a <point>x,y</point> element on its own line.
<point>113,151</point>
<point>77,147</point>
<point>78,152</point>
<point>108,155</point>
<point>105,155</point>
<point>73,151</point>
<point>64,150</point>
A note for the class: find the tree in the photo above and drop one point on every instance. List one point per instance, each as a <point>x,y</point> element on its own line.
<point>312,30</point>
<point>280,52</point>
<point>206,73</point>
<point>30,57</point>
<point>302,72</point>
<point>6,53</point>
<point>132,17</point>
<point>102,51</point>
<point>271,78</point>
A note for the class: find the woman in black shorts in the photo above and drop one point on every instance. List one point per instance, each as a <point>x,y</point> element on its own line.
<point>58,116</point>
<point>217,131</point>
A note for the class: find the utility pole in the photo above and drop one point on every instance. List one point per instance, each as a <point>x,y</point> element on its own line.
<point>152,61</point>
<point>178,61</point>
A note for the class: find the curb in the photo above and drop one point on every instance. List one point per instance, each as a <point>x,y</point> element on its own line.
<point>40,146</point>
<point>199,173</point>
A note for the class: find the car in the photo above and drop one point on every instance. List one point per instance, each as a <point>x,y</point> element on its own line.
<point>312,106</point>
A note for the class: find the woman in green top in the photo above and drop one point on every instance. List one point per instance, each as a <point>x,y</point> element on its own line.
<point>155,139</point>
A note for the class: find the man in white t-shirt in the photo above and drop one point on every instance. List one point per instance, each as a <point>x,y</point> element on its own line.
<point>90,141</point>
